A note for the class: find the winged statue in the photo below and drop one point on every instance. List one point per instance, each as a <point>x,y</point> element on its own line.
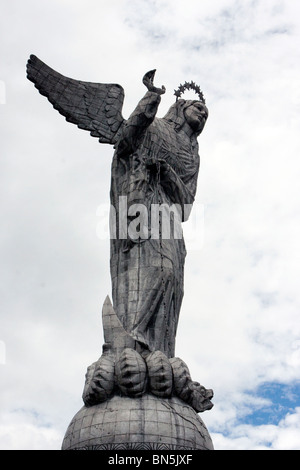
<point>155,164</point>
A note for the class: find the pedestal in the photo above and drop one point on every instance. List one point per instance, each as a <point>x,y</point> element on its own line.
<point>145,423</point>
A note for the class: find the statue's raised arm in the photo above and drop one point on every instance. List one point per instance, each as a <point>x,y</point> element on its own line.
<point>141,118</point>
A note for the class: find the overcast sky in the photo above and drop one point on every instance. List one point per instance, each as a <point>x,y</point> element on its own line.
<point>239,329</point>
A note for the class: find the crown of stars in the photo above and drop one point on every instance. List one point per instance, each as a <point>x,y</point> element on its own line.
<point>189,86</point>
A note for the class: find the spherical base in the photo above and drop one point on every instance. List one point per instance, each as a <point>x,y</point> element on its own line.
<point>145,423</point>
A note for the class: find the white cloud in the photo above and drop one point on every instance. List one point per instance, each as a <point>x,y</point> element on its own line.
<point>285,436</point>
<point>21,430</point>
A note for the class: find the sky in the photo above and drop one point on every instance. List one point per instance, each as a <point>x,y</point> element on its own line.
<point>239,329</point>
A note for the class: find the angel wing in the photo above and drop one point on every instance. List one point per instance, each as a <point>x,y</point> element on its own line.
<point>94,107</point>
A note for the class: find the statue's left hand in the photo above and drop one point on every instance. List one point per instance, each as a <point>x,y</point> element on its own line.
<point>148,82</point>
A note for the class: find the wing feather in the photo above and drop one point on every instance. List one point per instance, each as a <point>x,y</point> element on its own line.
<point>95,107</point>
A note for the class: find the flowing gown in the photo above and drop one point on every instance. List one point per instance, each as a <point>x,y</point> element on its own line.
<point>153,164</point>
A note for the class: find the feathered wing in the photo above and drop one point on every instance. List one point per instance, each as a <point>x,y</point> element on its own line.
<point>95,107</point>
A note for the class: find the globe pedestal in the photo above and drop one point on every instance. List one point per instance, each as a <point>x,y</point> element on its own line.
<point>145,423</point>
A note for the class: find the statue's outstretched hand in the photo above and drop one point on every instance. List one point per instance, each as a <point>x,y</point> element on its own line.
<point>148,82</point>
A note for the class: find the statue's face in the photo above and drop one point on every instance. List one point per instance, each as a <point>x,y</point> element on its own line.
<point>196,115</point>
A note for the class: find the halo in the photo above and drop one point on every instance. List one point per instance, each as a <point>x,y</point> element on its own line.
<point>189,86</point>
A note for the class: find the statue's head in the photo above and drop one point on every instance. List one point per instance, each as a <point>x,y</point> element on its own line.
<point>192,112</point>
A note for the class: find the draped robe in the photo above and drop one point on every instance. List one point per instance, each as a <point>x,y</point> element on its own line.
<point>154,163</point>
